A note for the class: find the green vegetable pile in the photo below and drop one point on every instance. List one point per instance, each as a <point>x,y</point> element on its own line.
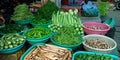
<point>69,18</point>
<point>67,36</point>
<point>37,32</point>
<point>102,7</point>
<point>66,19</point>
<point>46,11</point>
<point>92,57</point>
<point>21,12</point>
<point>11,40</point>
<point>42,21</point>
<point>11,28</point>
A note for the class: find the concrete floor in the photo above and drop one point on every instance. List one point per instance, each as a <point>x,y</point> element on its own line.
<point>116,15</point>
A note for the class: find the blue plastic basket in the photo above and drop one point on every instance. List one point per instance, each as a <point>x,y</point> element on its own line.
<point>33,46</point>
<point>84,52</point>
<point>12,50</point>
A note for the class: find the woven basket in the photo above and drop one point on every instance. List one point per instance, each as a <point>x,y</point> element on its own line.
<point>110,42</point>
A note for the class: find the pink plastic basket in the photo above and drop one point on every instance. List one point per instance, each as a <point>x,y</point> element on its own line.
<point>103,28</point>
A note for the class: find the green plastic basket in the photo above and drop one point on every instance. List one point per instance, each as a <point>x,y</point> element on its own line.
<point>37,40</point>
<point>73,47</point>
<point>110,22</point>
<point>12,50</point>
<point>84,52</point>
<point>33,46</point>
<point>22,21</point>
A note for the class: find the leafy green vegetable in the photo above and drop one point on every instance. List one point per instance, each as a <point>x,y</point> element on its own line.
<point>11,28</point>
<point>102,7</point>
<point>67,36</point>
<point>21,12</point>
<point>11,40</point>
<point>37,32</point>
<point>46,11</point>
<point>42,21</point>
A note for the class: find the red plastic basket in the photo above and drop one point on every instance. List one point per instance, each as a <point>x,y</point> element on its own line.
<point>104,28</point>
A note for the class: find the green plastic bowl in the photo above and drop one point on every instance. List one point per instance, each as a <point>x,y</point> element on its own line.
<point>22,21</point>
<point>12,50</point>
<point>110,22</point>
<point>73,47</point>
<point>32,41</point>
<point>84,52</point>
<point>33,46</point>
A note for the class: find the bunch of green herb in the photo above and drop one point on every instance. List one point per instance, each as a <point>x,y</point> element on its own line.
<point>67,36</point>
<point>21,12</point>
<point>42,21</point>
<point>11,28</point>
<point>102,7</point>
<point>46,11</point>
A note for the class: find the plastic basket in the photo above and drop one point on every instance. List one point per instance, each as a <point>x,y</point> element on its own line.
<point>66,46</point>
<point>105,28</point>
<point>33,46</point>
<point>22,21</point>
<point>37,40</point>
<point>110,22</point>
<point>110,42</point>
<point>91,53</point>
<point>12,50</point>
